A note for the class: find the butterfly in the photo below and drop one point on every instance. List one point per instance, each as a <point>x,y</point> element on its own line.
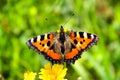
<point>62,46</point>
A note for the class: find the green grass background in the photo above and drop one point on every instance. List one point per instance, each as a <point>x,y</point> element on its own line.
<point>21,20</point>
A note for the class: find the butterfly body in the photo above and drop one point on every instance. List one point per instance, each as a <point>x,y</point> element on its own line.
<point>62,46</point>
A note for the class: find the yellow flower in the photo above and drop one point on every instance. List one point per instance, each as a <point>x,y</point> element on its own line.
<point>55,72</point>
<point>29,76</point>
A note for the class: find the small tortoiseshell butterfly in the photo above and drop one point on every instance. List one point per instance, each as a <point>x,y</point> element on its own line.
<point>62,46</point>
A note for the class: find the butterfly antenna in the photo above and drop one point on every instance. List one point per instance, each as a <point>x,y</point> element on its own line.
<point>68,19</point>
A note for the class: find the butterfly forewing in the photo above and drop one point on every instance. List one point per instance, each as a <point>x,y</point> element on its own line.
<point>42,44</point>
<point>80,41</point>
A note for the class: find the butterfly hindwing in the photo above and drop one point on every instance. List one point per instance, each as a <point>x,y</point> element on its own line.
<point>42,44</point>
<point>80,41</point>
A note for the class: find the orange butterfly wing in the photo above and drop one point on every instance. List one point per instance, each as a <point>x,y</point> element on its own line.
<point>80,41</point>
<point>42,44</point>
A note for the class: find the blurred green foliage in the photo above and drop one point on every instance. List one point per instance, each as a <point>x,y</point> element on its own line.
<point>22,19</point>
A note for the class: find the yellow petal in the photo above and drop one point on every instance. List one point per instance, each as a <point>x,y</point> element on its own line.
<point>56,72</point>
<point>29,76</point>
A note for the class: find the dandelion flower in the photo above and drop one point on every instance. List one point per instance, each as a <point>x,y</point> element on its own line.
<point>29,76</point>
<point>55,72</point>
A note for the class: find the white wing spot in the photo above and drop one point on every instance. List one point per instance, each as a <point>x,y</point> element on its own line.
<point>78,34</point>
<point>92,36</point>
<point>38,38</point>
<point>45,36</point>
<point>85,35</point>
<point>32,40</point>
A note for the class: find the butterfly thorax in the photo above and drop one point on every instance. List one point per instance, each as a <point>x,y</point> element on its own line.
<point>62,36</point>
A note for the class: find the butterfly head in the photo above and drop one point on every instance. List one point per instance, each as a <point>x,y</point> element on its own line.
<point>61,29</point>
